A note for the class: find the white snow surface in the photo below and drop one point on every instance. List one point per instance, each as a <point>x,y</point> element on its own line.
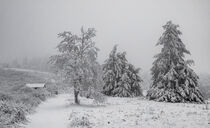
<point>118,113</point>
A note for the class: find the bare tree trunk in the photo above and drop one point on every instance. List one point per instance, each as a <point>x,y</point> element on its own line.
<point>76,93</point>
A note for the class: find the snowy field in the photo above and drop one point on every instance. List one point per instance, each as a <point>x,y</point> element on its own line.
<point>61,112</point>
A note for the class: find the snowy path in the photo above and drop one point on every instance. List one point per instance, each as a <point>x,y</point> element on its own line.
<point>51,114</point>
<point>118,113</point>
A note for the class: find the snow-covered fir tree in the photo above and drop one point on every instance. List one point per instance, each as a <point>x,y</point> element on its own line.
<point>120,77</point>
<point>173,79</point>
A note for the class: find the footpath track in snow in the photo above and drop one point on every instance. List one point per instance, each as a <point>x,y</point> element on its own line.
<point>119,113</point>
<point>52,113</point>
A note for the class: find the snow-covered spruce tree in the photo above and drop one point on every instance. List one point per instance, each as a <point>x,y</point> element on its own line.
<point>120,77</point>
<point>173,79</point>
<point>77,60</point>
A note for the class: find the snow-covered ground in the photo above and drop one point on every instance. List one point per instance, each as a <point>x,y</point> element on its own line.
<point>61,112</point>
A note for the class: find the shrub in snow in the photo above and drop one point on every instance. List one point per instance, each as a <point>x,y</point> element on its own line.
<point>24,90</point>
<point>79,120</point>
<point>52,88</point>
<point>32,99</point>
<point>11,113</point>
<point>99,98</point>
<point>173,79</point>
<point>29,101</point>
<point>94,94</point>
<point>40,95</point>
<point>5,96</point>
<point>120,77</point>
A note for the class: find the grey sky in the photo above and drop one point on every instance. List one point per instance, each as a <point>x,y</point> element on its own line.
<point>29,28</point>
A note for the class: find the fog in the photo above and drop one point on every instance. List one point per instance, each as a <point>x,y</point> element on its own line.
<point>29,28</point>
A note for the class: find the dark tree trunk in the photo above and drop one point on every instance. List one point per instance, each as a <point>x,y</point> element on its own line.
<point>76,93</point>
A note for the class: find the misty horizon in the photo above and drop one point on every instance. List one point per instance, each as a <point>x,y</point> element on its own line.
<point>29,28</point>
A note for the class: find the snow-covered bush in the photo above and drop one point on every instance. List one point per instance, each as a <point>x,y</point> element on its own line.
<point>52,88</point>
<point>99,98</point>
<point>12,113</point>
<point>96,95</point>
<point>29,101</point>
<point>79,120</point>
<point>42,94</point>
<point>31,98</point>
<point>24,90</point>
<point>5,96</point>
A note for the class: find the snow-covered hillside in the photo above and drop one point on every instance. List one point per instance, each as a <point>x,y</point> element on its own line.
<point>61,112</point>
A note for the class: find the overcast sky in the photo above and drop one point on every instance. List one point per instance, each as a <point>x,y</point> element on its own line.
<point>29,28</point>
